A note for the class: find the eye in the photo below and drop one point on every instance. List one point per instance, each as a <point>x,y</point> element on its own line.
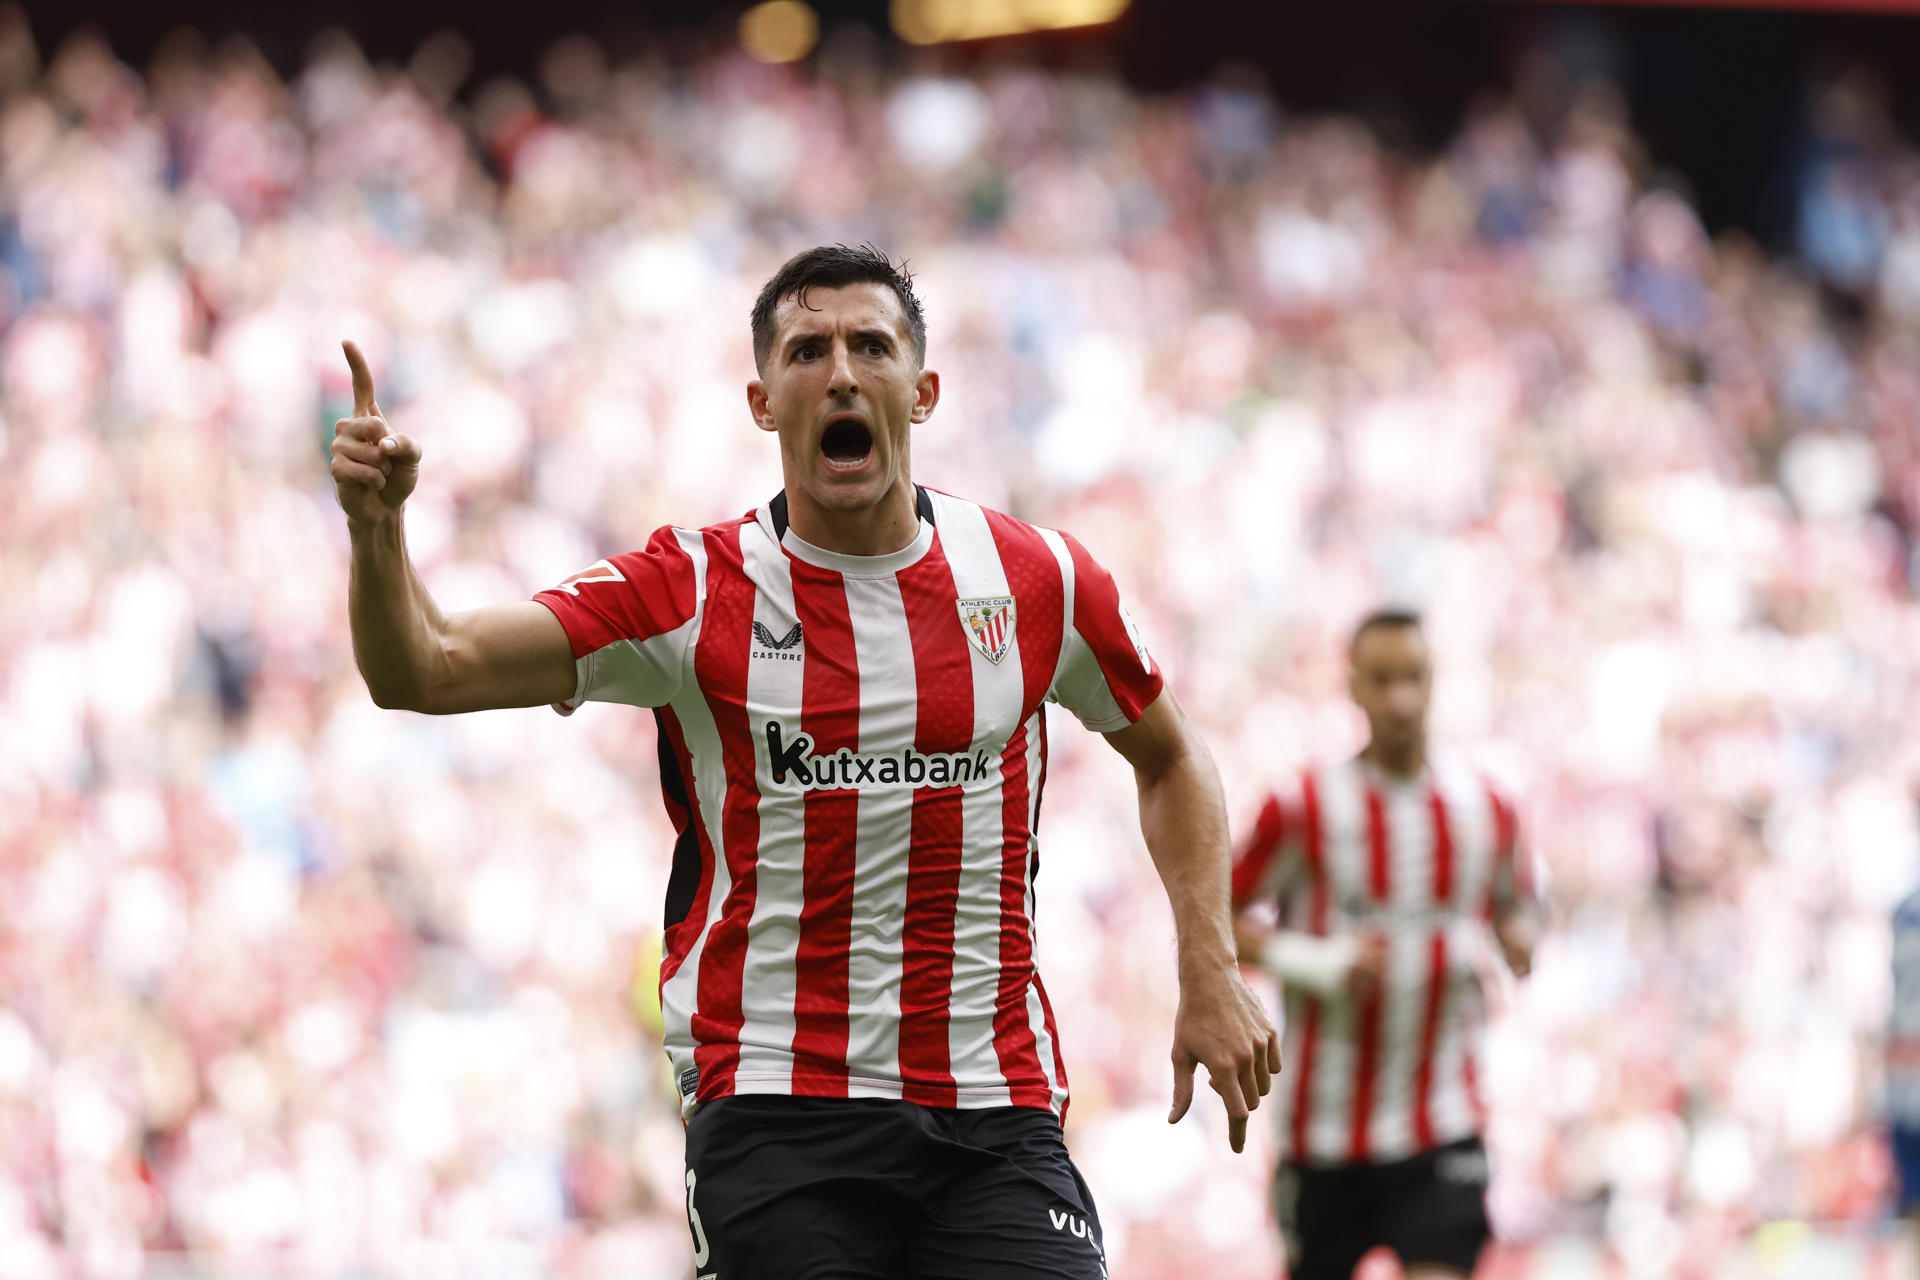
<point>807,352</point>
<point>876,348</point>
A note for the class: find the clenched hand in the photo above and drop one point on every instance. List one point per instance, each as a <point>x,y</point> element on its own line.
<point>1223,1027</point>
<point>374,467</point>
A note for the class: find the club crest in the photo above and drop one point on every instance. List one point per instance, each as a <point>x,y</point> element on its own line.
<point>989,624</point>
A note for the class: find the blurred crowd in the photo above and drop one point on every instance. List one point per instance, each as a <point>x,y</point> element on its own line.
<point>295,986</point>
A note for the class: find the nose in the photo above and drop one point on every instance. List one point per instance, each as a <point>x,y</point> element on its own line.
<point>840,380</point>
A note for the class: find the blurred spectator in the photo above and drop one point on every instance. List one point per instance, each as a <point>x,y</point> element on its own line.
<point>296,986</point>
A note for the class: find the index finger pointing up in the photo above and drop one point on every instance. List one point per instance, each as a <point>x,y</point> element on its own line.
<point>363,402</point>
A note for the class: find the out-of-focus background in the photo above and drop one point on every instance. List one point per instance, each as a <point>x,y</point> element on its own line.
<point>1595,332</point>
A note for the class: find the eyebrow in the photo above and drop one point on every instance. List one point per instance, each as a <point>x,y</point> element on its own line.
<point>822,339</point>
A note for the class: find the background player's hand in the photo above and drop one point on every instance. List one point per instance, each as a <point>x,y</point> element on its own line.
<point>1249,939</point>
<point>374,468</point>
<point>1369,967</point>
<point>1223,1027</point>
<point>1517,932</point>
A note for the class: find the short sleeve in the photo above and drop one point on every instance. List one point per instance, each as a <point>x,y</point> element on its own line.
<point>1106,676</point>
<point>1260,859</point>
<point>1515,884</point>
<point>629,619</point>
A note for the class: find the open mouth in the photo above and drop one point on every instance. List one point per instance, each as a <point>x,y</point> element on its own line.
<point>846,442</point>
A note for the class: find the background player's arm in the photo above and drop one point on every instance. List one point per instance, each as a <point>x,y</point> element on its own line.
<point>1183,816</point>
<point>1518,912</point>
<point>1267,867</point>
<point>412,655</point>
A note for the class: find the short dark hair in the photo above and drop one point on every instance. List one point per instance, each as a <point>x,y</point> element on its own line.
<point>1391,616</point>
<point>834,266</point>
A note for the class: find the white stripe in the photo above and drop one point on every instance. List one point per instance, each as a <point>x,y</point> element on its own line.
<point>1063,558</point>
<point>1036,1012</point>
<point>773,935</point>
<point>974,560</point>
<point>1403,1012</point>
<point>889,703</point>
<point>679,998</point>
<point>1343,847</point>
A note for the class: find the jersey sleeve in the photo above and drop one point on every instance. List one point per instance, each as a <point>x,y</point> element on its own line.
<point>1265,857</point>
<point>1514,883</point>
<point>630,619</point>
<point>1106,676</point>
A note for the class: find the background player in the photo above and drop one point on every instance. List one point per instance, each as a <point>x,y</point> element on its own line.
<point>1385,870</point>
<point>849,684</point>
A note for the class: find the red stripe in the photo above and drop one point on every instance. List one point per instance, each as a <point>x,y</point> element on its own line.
<point>1013,1038</point>
<point>943,674</point>
<point>1367,1033</point>
<point>830,715</point>
<point>679,939</point>
<point>1429,1034</point>
<point>1471,1073</point>
<point>1034,581</point>
<point>1317,922</point>
<point>1436,973</point>
<point>1442,850</point>
<point>1256,856</point>
<point>720,665</point>
<point>1376,845</point>
<point>1505,865</point>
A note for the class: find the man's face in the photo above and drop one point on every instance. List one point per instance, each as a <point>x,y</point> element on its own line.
<point>842,387</point>
<point>1391,679</point>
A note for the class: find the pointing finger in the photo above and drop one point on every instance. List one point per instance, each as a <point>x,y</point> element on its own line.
<point>363,402</point>
<point>1183,1065</point>
<point>1237,1133</point>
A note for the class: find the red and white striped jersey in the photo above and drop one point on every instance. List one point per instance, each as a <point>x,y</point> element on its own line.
<point>852,752</point>
<point>1427,863</point>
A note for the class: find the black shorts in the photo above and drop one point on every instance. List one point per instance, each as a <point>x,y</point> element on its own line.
<point>1429,1209</point>
<point>782,1188</point>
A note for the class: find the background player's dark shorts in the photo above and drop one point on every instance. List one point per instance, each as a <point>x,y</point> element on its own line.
<point>1906,1158</point>
<point>783,1188</point>
<point>1431,1208</point>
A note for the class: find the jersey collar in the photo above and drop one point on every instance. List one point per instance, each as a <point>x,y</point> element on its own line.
<point>773,517</point>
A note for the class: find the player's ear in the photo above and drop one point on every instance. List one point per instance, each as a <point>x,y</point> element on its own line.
<point>926,394</point>
<point>757,405</point>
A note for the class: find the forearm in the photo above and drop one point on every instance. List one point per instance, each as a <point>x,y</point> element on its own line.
<point>1183,817</point>
<point>1320,965</point>
<point>397,630</point>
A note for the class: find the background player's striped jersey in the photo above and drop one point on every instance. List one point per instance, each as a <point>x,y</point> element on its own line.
<point>1426,863</point>
<point>853,751</point>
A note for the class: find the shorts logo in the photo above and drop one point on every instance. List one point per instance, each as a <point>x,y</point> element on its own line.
<point>989,622</point>
<point>1462,1168</point>
<point>768,645</point>
<point>1063,1221</point>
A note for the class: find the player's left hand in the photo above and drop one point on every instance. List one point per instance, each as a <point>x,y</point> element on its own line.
<point>1223,1027</point>
<point>1517,933</point>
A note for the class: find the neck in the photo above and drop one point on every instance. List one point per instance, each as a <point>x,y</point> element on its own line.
<point>1401,762</point>
<point>886,526</point>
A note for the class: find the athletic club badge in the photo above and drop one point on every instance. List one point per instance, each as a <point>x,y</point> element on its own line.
<point>989,622</point>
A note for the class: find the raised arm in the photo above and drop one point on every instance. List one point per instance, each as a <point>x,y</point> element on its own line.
<point>1221,1025</point>
<point>412,655</point>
